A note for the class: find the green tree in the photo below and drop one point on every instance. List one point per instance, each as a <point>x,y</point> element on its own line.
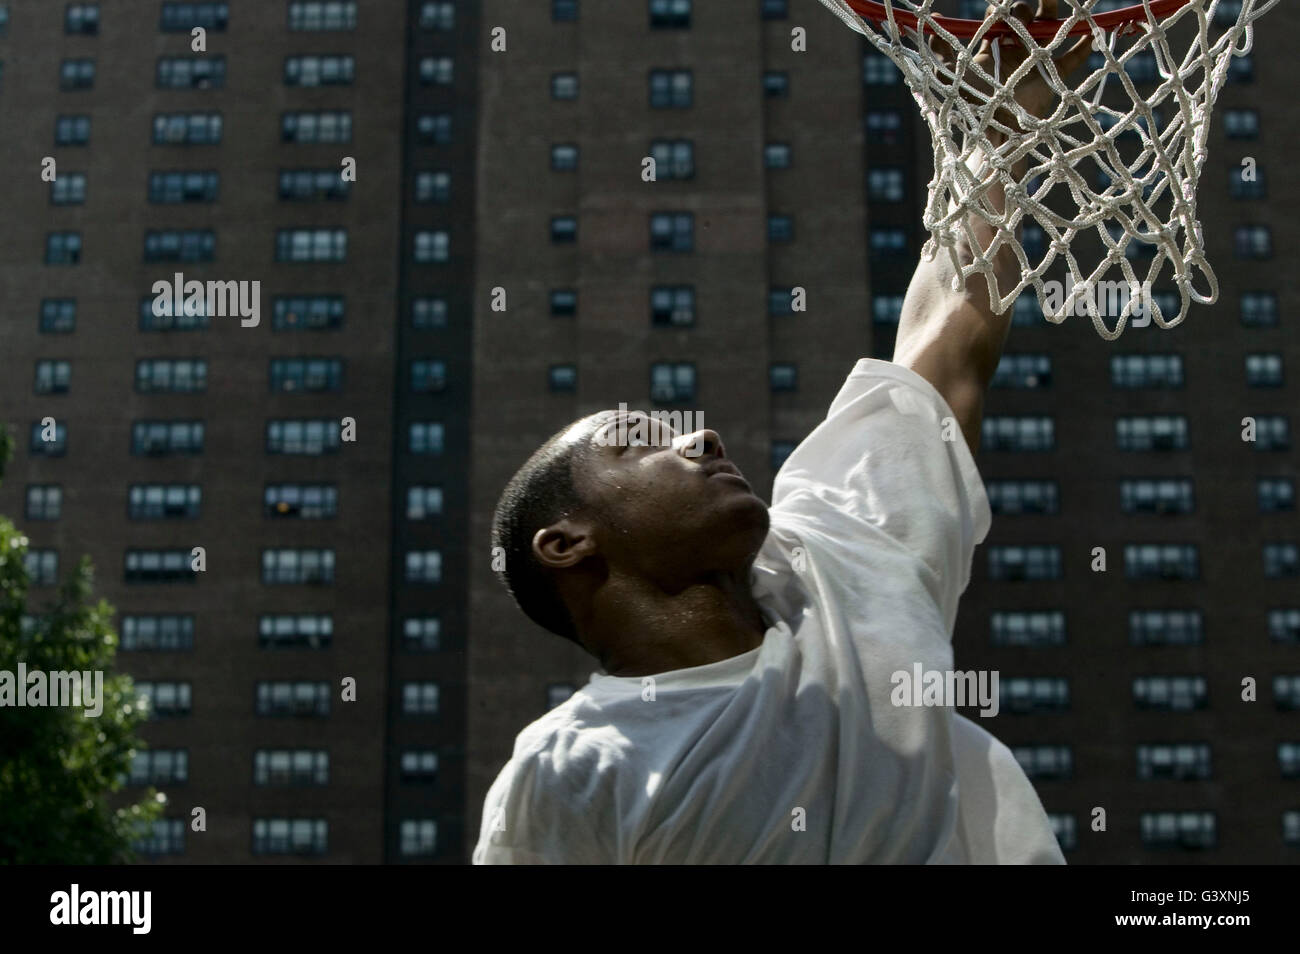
<point>58,769</point>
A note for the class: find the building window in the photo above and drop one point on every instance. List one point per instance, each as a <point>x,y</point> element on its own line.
<point>183,186</point>
<point>421,633</point>
<point>433,129</point>
<point>428,312</point>
<point>670,14</point>
<point>1027,628</point>
<point>1286,692</point>
<point>1259,309</point>
<point>68,189</point>
<point>1015,563</point>
<point>301,501</point>
<point>564,302</point>
<point>780,451</point>
<point>1284,625</point>
<point>173,633</point>
<point>288,566</point>
<point>319,71</point>
<point>563,11</point>
<point>1172,627</point>
<point>188,246</point>
<point>776,84</point>
<point>672,306</point>
<point>1239,187</point>
<point>671,89</point>
<point>423,502</point>
<point>419,766</point>
<point>783,376</point>
<point>293,698</point>
<point>777,155</point>
<point>437,16</point>
<point>564,229</point>
<point>1146,371</point>
<point>295,631</point>
<point>418,837</point>
<point>55,445</point>
<point>160,767</point>
<point>1170,693</point>
<point>774,9</point>
<point>672,232</point>
<point>1030,371</point>
<point>885,184</point>
<point>291,767</point>
<point>44,502</point>
<point>1023,696</point>
<point>425,437</point>
<point>423,566</point>
<point>323,16</point>
<point>674,158</point>
<point>309,184</point>
<point>564,157</point>
<point>1275,494</point>
<point>1241,68</point>
<point>166,837</point>
<point>166,438</point>
<point>879,70</point>
<point>420,698</point>
<point>780,228</point>
<point>1254,242</point>
<point>563,378</point>
<point>307,313</point>
<point>187,129</point>
<point>1045,762</point>
<point>432,187</point>
<point>888,242</point>
<point>1241,123</point>
<point>431,247</point>
<point>1180,761</point>
<point>1281,560</point>
<point>672,383</point>
<point>886,309</point>
<point>1009,497</point>
<point>1065,830</point>
<point>171,375</point>
<point>191,72</point>
<point>564,86</point>
<point>58,316</point>
<point>184,17</point>
<point>42,567</point>
<point>436,71</point>
<point>63,248</point>
<point>1169,496</point>
<point>163,501</point>
<point>76,74</point>
<point>72,130</point>
<point>428,376</point>
<point>290,836</point>
<point>309,437</point>
<point>1264,370</point>
<point>1164,433</point>
<point>165,700</point>
<point>1161,561</point>
<point>52,377</point>
<point>1018,433</point>
<point>306,375</point>
<point>324,126</point>
<point>311,245</point>
<point>883,126</point>
<point>1272,433</point>
<point>159,566</point>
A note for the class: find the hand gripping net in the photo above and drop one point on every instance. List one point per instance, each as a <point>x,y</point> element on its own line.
<point>1131,170</point>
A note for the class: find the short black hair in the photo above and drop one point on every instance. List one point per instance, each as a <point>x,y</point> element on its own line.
<point>541,492</point>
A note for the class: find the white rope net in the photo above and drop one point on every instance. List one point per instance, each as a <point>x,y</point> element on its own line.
<point>1125,165</point>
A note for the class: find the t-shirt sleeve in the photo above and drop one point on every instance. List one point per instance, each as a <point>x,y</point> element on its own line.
<point>890,461</point>
<point>536,813</point>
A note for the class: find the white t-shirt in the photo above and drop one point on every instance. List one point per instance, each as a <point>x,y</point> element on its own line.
<point>794,752</point>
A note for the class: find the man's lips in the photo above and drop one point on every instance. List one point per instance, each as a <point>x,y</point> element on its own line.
<point>726,469</point>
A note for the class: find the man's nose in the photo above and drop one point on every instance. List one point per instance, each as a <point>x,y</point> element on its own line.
<point>700,443</point>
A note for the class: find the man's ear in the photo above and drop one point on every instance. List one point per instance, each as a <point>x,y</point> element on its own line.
<point>564,543</point>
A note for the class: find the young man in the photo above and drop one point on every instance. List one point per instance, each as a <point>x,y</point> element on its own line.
<point>747,714</point>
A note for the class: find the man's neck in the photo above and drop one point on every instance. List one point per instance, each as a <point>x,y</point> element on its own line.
<point>659,632</point>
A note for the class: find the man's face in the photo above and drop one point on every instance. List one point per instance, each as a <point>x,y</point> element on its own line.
<point>667,504</point>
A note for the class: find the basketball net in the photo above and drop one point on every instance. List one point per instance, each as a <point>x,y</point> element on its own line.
<point>1128,172</point>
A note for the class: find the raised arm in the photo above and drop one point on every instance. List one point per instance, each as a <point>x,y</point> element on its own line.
<point>952,338</point>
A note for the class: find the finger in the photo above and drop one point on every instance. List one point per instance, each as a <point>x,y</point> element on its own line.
<point>1076,57</point>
